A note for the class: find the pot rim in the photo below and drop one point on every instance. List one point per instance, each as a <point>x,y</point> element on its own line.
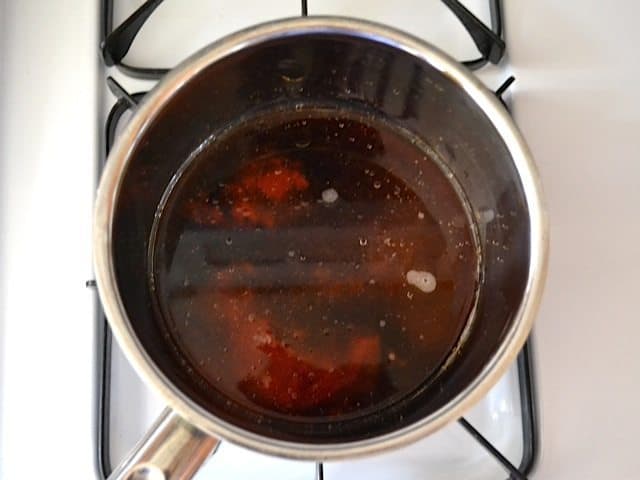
<point>154,102</point>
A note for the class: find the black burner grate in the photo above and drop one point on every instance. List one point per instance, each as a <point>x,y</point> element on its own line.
<point>116,42</point>
<point>115,45</point>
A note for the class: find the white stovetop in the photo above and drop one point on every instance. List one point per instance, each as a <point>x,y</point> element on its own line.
<point>575,100</point>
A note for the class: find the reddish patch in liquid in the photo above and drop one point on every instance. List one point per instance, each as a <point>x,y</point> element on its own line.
<point>271,181</point>
<point>294,384</point>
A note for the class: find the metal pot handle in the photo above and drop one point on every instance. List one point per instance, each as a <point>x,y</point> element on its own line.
<point>172,450</point>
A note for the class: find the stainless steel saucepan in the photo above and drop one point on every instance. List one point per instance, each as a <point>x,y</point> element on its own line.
<point>320,59</point>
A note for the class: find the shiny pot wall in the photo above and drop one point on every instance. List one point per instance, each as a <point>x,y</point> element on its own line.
<point>351,64</point>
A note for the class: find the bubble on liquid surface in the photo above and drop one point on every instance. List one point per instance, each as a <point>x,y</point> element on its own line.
<point>424,281</point>
<point>486,215</point>
<point>329,195</point>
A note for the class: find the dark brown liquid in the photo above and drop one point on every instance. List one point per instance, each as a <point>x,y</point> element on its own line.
<point>315,265</point>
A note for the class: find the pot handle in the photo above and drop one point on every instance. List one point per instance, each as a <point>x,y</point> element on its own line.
<point>172,450</point>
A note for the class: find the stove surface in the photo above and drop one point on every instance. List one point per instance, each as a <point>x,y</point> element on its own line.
<point>573,99</point>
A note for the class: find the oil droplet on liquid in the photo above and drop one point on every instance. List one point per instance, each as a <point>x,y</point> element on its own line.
<point>329,195</point>
<point>424,281</point>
